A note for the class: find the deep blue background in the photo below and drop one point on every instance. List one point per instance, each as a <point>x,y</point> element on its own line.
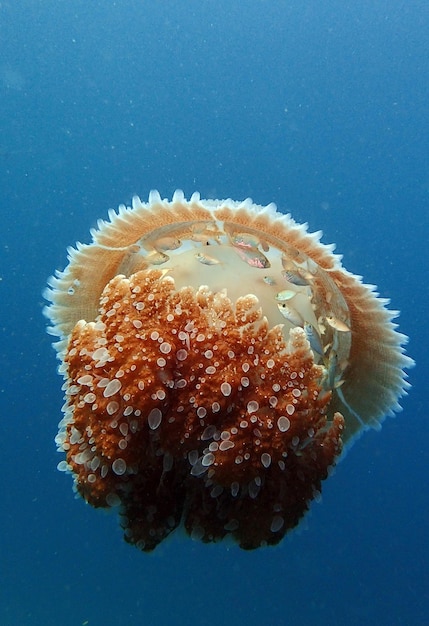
<point>318,106</point>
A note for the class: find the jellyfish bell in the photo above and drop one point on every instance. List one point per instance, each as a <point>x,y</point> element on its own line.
<point>217,360</point>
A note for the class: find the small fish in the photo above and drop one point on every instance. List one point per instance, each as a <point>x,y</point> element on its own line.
<point>253,257</point>
<point>290,314</point>
<point>206,233</point>
<point>331,371</point>
<point>167,243</point>
<point>269,280</point>
<point>337,324</point>
<point>157,258</point>
<point>287,294</point>
<point>245,240</point>
<point>205,259</point>
<point>313,338</point>
<point>295,277</point>
<point>334,371</point>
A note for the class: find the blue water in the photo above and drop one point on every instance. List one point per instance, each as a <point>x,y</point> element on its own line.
<point>320,107</point>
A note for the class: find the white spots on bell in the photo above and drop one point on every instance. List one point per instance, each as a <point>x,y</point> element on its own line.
<point>214,446</point>
<point>210,370</point>
<point>244,424</point>
<point>76,436</point>
<point>112,407</point>
<point>226,445</point>
<point>254,488</point>
<point>181,355</point>
<point>82,457</point>
<point>60,438</point>
<point>290,409</point>
<point>199,468</point>
<point>101,356</point>
<point>272,401</point>
<point>296,393</point>
<point>215,407</point>
<point>235,488</point>
<point>270,363</point>
<point>123,428</point>
<point>277,523</point>
<point>95,463</point>
<point>245,382</point>
<point>197,533</point>
<point>139,306</point>
<point>283,424</point>
<point>252,406</point>
<point>266,459</point>
<point>216,491</point>
<point>112,387</point>
<point>63,466</point>
<point>165,347</point>
<point>137,324</point>
<point>154,418</point>
<point>201,412</point>
<point>232,525</point>
<point>295,441</point>
<point>245,367</point>
<point>119,466</point>
<point>104,470</point>
<point>226,389</point>
<point>208,459</point>
<point>208,432</point>
<point>276,387</point>
<point>112,499</point>
<point>193,457</point>
<point>89,398</point>
<point>181,383</point>
<point>317,496</point>
<point>161,362</point>
<point>167,462</point>
<point>86,379</point>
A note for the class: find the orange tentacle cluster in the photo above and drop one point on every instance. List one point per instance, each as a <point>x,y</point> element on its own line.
<point>185,407</point>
